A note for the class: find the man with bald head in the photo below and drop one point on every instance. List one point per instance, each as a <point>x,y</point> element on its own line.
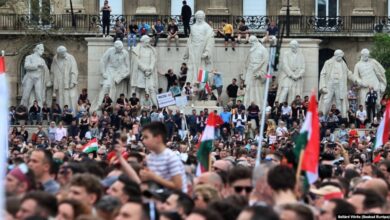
<point>377,185</point>
<point>223,165</point>
<point>65,74</point>
<point>212,179</point>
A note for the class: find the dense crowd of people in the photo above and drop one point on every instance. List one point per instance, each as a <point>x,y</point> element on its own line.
<point>145,164</point>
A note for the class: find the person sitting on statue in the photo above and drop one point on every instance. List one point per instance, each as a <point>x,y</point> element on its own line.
<point>35,113</point>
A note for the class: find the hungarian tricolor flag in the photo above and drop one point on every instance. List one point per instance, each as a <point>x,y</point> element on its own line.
<point>203,76</point>
<point>206,144</point>
<point>307,144</point>
<point>382,134</point>
<point>91,146</point>
<point>3,127</point>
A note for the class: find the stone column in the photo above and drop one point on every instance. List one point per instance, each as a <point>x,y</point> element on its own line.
<point>146,7</point>
<point>294,8</point>
<point>218,7</point>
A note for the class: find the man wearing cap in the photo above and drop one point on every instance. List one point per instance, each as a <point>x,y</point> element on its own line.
<point>18,181</point>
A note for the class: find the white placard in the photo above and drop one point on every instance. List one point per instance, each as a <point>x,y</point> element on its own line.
<point>165,100</point>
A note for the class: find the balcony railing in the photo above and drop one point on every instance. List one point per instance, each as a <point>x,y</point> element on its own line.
<point>91,24</point>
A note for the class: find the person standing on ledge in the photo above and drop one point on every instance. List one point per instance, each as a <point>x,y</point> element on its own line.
<point>106,13</point>
<point>186,14</point>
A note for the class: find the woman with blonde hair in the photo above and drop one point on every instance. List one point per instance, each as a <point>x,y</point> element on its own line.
<point>205,194</point>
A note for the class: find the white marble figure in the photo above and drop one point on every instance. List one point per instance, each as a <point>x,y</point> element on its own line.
<point>369,73</point>
<point>37,78</point>
<point>290,79</point>
<point>333,84</point>
<point>255,72</point>
<point>144,77</point>
<point>115,68</point>
<point>65,78</point>
<point>200,44</point>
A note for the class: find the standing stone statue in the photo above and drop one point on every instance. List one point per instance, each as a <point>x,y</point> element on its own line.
<point>144,77</point>
<point>64,71</point>
<point>291,76</point>
<point>37,77</point>
<point>369,73</point>
<point>115,68</point>
<point>255,72</point>
<point>333,84</point>
<point>200,44</point>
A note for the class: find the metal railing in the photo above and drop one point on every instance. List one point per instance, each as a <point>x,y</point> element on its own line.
<point>299,25</point>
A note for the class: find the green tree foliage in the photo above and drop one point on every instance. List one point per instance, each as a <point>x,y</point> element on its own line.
<point>381,52</point>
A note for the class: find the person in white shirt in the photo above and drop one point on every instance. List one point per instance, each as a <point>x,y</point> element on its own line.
<point>281,130</point>
<point>286,113</point>
<point>361,116</point>
<point>239,121</point>
<point>60,132</point>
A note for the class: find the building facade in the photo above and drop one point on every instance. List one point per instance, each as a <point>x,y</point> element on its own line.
<point>340,24</point>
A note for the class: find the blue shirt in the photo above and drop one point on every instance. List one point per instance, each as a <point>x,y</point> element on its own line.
<point>159,28</point>
<point>217,78</point>
<point>226,116</point>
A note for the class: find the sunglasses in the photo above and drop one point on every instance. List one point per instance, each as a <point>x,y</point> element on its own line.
<point>206,199</point>
<point>238,189</point>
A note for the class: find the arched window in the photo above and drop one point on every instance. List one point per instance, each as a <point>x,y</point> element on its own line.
<point>255,7</point>
<point>177,4</point>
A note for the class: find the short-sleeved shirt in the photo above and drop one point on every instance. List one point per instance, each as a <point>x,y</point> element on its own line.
<point>243,28</point>
<point>226,116</point>
<point>133,28</point>
<point>134,101</point>
<point>273,31</point>
<point>217,78</point>
<point>172,28</point>
<point>228,29</point>
<point>167,165</point>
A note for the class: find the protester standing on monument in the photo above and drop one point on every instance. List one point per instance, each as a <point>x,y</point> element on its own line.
<point>106,13</point>
<point>218,85</point>
<point>371,102</point>
<point>231,91</point>
<point>186,14</point>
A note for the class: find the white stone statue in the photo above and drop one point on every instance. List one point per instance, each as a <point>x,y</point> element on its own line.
<point>290,79</point>
<point>115,69</point>
<point>369,73</point>
<point>200,44</point>
<point>144,77</point>
<point>255,72</point>
<point>65,78</point>
<point>37,78</point>
<point>333,84</point>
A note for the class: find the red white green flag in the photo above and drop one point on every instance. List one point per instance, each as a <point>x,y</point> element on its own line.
<point>206,144</point>
<point>4,126</point>
<point>203,76</point>
<point>382,134</point>
<point>91,146</point>
<point>308,141</point>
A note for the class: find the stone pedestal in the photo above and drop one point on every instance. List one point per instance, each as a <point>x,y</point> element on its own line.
<point>78,6</point>
<point>146,7</point>
<point>229,63</point>
<point>217,7</point>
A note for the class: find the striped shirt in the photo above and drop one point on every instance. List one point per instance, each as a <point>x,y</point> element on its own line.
<point>167,164</point>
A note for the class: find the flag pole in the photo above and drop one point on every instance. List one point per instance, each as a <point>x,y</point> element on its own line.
<point>265,99</point>
<point>299,167</point>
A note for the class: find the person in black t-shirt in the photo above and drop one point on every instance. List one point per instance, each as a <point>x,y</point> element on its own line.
<point>243,30</point>
<point>122,101</point>
<point>171,78</point>
<point>106,13</point>
<point>134,103</point>
<point>132,34</point>
<point>232,90</point>
<point>173,33</point>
